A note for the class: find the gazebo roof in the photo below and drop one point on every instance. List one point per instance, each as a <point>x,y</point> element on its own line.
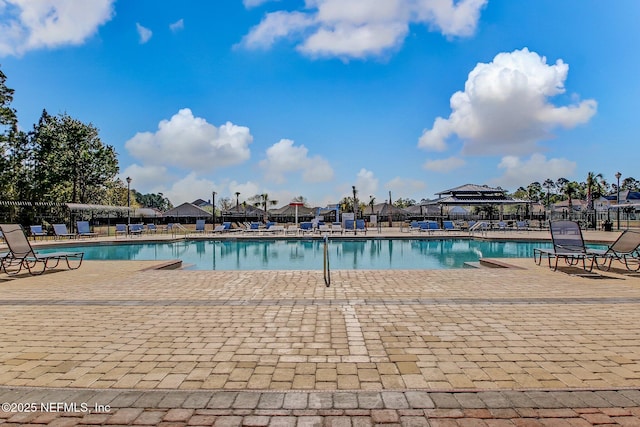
<point>288,210</point>
<point>472,189</point>
<point>187,210</point>
<point>473,194</point>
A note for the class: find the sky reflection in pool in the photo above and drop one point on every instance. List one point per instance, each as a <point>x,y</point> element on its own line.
<point>369,254</point>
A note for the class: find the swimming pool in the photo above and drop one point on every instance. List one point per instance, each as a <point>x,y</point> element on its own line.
<point>367,254</point>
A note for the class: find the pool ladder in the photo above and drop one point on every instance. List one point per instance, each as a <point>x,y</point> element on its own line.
<point>325,268</point>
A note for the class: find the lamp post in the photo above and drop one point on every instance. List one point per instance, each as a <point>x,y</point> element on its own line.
<point>237,202</point>
<point>355,210</point>
<point>618,175</point>
<point>213,208</point>
<point>128,203</point>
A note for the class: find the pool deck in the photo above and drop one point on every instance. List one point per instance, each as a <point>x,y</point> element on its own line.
<point>497,347</point>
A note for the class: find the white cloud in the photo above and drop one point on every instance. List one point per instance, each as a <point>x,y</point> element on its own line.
<point>505,107</point>
<point>147,179</point>
<point>190,188</point>
<point>406,187</point>
<point>177,26</point>
<point>255,3</point>
<point>144,33</point>
<point>191,143</point>
<point>28,25</point>
<point>444,165</point>
<point>247,189</point>
<point>359,29</point>
<point>522,172</point>
<point>366,184</point>
<point>284,157</point>
<point>276,25</point>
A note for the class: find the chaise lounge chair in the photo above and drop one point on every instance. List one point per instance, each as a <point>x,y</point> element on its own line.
<point>84,230</point>
<point>568,245</point>
<point>449,226</point>
<point>625,249</point>
<point>61,232</point>
<point>22,256</point>
<point>200,226</point>
<point>37,231</point>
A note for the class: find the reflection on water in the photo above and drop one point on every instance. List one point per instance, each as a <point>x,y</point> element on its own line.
<point>308,254</point>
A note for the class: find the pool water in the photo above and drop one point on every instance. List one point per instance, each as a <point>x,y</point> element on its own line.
<point>370,254</point>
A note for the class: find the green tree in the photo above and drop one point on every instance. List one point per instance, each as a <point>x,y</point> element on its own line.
<point>549,185</point>
<point>262,201</point>
<point>630,184</point>
<point>594,186</point>
<point>8,136</point>
<point>570,190</point>
<point>153,201</point>
<point>404,203</point>
<point>72,164</point>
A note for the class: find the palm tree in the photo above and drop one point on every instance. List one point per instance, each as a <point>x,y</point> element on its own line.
<point>548,184</point>
<point>372,201</point>
<point>570,189</point>
<point>594,185</point>
<point>265,204</point>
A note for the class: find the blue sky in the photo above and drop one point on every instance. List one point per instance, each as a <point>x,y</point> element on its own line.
<point>311,97</point>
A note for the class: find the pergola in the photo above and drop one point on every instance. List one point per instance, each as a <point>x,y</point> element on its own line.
<point>476,195</point>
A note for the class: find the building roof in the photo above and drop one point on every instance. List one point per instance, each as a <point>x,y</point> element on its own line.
<point>625,195</point>
<point>473,194</point>
<point>288,210</point>
<point>187,210</point>
<point>472,189</point>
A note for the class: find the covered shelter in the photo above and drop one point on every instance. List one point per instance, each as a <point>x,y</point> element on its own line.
<point>384,210</point>
<point>187,211</point>
<point>293,212</point>
<point>244,212</point>
<point>476,195</point>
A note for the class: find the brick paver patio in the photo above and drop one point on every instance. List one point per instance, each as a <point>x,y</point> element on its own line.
<point>487,347</point>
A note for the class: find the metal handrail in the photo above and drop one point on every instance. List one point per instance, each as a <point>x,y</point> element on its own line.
<point>326,269</point>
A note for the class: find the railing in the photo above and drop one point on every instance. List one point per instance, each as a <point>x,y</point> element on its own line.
<point>480,226</point>
<point>326,269</point>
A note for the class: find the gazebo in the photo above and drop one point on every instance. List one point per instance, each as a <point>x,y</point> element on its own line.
<point>187,210</point>
<point>476,195</point>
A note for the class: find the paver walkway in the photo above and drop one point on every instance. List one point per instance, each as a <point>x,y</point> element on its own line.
<point>443,347</point>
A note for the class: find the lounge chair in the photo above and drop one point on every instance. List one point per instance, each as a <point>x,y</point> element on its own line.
<point>522,226</point>
<point>349,226</point>
<point>136,229</point>
<point>61,232</point>
<point>568,245</point>
<point>293,229</point>
<point>84,230</point>
<point>200,224</point>
<point>272,228</point>
<point>22,256</point>
<point>336,228</point>
<point>324,228</point>
<point>625,249</point>
<point>151,228</point>
<point>121,230</point>
<point>448,226</point>
<point>37,231</point>
<point>253,227</point>
<point>306,227</point>
<point>219,229</point>
<point>414,226</point>
<point>433,226</point>
<point>361,226</point>
<point>228,227</point>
